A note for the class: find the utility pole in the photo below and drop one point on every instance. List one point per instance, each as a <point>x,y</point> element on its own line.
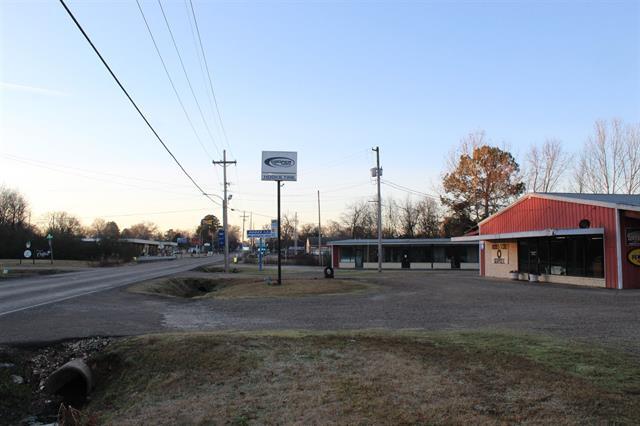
<point>319,234</point>
<point>225,226</point>
<point>295,234</point>
<point>378,175</point>
<point>251,227</point>
<point>244,217</point>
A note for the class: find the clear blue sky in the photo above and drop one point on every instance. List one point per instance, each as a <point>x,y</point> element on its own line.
<point>327,79</point>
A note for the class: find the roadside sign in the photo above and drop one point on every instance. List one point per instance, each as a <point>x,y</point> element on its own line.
<point>274,227</point>
<point>280,165</point>
<point>259,233</point>
<point>220,237</point>
<point>27,254</point>
<point>49,237</point>
<point>28,244</point>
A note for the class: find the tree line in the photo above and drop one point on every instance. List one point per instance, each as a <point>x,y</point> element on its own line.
<point>67,232</point>
<point>479,179</point>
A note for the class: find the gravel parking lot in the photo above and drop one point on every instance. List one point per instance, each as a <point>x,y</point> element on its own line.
<point>430,300</point>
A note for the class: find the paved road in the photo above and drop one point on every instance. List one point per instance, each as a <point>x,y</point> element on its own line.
<point>26,293</point>
<point>430,300</point>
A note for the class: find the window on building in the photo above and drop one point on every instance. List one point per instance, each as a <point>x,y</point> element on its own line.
<point>580,256</point>
<point>347,255</point>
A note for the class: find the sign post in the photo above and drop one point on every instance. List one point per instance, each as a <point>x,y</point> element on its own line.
<point>279,166</point>
<point>260,234</point>
<point>50,239</point>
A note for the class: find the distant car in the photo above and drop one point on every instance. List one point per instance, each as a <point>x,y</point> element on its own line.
<point>41,254</point>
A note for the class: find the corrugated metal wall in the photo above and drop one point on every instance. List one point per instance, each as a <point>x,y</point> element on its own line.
<point>535,214</point>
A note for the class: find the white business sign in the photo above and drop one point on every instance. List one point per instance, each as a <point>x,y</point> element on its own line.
<point>279,165</point>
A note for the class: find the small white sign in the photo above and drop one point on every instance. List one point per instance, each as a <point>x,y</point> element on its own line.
<point>280,165</point>
<point>27,253</point>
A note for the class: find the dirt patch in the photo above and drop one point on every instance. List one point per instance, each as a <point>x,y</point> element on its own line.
<point>233,288</point>
<point>361,378</point>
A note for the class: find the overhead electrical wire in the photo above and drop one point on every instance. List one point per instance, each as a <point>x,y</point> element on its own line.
<point>406,189</point>
<point>104,62</point>
<point>184,70</point>
<point>206,65</point>
<point>173,86</point>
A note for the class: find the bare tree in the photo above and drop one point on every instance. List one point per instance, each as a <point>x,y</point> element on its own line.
<point>143,230</point>
<point>428,225</point>
<point>13,208</point>
<point>390,218</point>
<point>359,219</point>
<point>97,228</point>
<point>408,218</point>
<point>579,178</point>
<point>631,166</point>
<point>611,159</point>
<point>62,224</point>
<point>545,166</point>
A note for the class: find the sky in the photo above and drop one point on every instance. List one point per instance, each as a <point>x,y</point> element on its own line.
<point>329,80</point>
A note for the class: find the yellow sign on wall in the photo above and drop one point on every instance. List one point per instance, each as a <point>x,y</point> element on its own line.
<point>634,256</point>
<point>500,253</point>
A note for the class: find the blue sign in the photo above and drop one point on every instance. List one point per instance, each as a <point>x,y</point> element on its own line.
<point>181,240</point>
<point>259,233</point>
<point>221,237</point>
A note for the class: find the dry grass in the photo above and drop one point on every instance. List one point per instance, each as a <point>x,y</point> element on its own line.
<point>45,263</point>
<point>359,378</point>
<point>202,286</point>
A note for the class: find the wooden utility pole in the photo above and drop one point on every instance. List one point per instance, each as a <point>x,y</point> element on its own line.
<point>378,175</point>
<point>225,226</point>
<point>244,217</point>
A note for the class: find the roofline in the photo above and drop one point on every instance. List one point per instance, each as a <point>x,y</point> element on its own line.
<point>395,242</point>
<point>561,198</point>
<point>533,234</point>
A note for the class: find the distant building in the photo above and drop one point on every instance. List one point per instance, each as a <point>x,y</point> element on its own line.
<point>415,253</point>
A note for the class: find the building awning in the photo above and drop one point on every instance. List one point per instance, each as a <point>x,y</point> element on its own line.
<point>398,242</point>
<point>531,234</point>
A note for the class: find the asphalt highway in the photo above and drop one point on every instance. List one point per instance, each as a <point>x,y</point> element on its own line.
<point>26,293</point>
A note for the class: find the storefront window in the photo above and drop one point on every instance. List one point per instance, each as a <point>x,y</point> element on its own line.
<point>581,256</point>
<point>347,254</point>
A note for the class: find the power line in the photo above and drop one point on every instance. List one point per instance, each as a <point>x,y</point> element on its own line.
<point>95,49</point>
<point>408,190</point>
<point>184,69</point>
<point>206,65</point>
<point>173,86</point>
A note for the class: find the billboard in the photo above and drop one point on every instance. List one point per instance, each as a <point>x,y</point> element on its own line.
<point>280,165</point>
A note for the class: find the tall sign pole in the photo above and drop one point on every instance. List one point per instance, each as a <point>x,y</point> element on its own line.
<point>319,233</point>
<point>279,239</point>
<point>378,176</point>
<point>224,163</point>
<point>279,166</point>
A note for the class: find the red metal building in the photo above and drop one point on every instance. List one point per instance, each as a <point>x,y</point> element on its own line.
<point>584,239</point>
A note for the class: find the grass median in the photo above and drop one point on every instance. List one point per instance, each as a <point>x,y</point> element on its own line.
<point>201,286</point>
<point>362,378</point>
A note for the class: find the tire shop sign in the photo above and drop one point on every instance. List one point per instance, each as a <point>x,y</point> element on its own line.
<point>500,253</point>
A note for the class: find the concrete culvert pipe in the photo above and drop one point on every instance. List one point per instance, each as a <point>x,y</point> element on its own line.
<point>73,381</point>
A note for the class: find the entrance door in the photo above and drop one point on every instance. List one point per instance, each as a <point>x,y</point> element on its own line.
<point>406,264</point>
<point>359,258</point>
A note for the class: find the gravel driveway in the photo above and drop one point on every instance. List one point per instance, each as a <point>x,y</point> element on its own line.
<point>430,300</point>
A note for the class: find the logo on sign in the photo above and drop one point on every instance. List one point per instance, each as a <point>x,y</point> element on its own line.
<point>279,162</point>
<point>634,257</point>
